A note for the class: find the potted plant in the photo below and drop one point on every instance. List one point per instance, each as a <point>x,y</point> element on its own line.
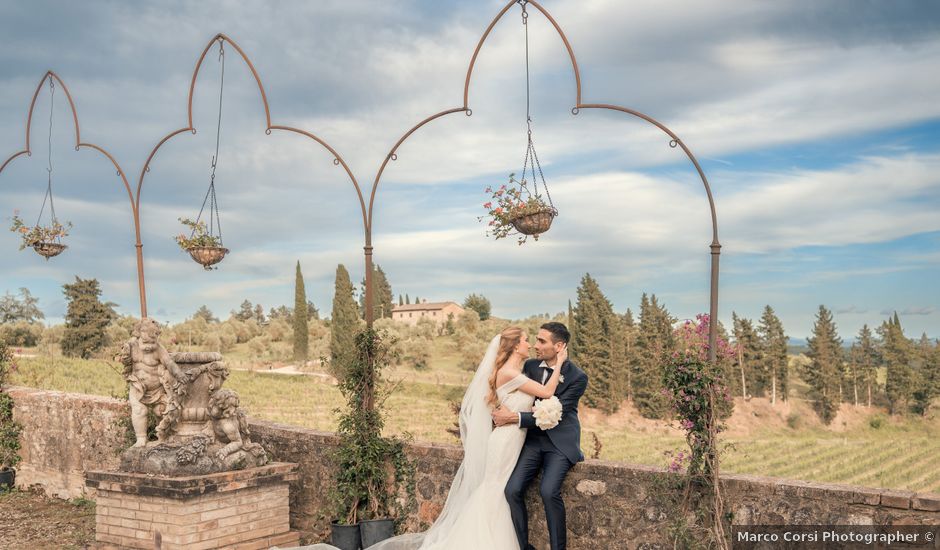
<point>203,247</point>
<point>9,430</point>
<point>374,489</point>
<point>44,239</point>
<point>513,209</point>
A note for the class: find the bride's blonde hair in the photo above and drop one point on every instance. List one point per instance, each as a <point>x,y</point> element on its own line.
<point>508,340</point>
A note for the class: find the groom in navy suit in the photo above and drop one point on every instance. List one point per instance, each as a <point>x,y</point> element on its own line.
<point>554,451</point>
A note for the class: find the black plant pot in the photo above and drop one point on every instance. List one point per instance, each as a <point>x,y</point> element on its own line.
<point>376,530</point>
<point>7,477</point>
<point>346,537</point>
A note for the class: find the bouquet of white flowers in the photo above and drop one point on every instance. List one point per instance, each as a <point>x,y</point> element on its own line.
<point>547,413</point>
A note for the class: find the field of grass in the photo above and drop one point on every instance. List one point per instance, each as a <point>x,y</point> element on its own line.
<point>861,447</point>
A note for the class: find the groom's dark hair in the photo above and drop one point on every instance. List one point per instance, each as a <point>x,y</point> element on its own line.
<point>559,331</point>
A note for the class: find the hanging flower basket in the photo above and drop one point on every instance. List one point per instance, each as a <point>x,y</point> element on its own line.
<point>534,223</point>
<point>205,249</point>
<point>44,239</point>
<point>207,255</point>
<point>48,250</point>
<point>510,213</point>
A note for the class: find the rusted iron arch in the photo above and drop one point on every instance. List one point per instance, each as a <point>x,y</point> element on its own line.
<point>715,245</point>
<point>486,33</point>
<point>269,127</point>
<point>29,117</point>
<point>79,144</point>
<point>392,154</point>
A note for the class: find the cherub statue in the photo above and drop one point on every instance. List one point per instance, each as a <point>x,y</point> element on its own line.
<point>155,381</point>
<point>230,428</point>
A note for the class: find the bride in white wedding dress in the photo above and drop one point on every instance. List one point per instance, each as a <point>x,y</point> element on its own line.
<point>476,514</point>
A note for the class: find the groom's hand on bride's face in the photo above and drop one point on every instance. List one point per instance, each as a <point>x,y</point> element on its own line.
<point>502,417</point>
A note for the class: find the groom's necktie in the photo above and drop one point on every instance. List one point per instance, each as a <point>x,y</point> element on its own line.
<point>546,373</point>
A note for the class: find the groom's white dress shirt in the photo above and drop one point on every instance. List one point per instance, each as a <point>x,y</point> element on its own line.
<point>544,366</point>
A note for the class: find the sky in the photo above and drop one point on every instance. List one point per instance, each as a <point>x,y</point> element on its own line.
<point>816,123</point>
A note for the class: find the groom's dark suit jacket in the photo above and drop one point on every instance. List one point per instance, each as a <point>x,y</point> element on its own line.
<point>567,434</point>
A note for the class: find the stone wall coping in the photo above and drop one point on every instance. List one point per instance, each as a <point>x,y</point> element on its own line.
<point>191,486</point>
<point>106,402</point>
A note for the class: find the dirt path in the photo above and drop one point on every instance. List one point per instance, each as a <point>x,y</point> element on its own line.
<point>30,520</point>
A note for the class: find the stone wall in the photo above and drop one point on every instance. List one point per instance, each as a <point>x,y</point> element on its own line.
<point>609,504</point>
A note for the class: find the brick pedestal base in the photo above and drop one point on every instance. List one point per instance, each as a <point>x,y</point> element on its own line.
<point>243,509</point>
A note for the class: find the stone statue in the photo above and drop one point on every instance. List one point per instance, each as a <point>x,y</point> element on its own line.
<point>155,380</point>
<point>201,430</point>
<point>230,426</point>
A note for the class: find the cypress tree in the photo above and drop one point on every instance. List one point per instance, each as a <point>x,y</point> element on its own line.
<point>407,300</point>
<point>748,379</point>
<point>773,342</point>
<point>301,334</point>
<point>344,323</point>
<point>86,319</point>
<point>592,345</point>
<point>382,300</point>
<point>866,359</point>
<point>654,341</point>
<point>898,354</point>
<point>628,331</point>
<point>401,300</point>
<point>930,379</point>
<point>825,351</point>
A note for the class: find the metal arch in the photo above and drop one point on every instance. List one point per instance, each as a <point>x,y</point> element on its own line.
<point>222,38</point>
<point>50,75</point>
<point>370,313</point>
<point>270,127</point>
<point>715,246</point>
<point>29,116</point>
<point>486,33</point>
<point>267,113</point>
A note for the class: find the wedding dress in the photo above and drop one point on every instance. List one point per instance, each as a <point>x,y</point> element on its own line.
<point>476,515</point>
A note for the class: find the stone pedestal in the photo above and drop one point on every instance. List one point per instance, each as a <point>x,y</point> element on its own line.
<point>243,509</point>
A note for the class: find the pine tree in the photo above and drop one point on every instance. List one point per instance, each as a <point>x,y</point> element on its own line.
<point>480,304</point>
<point>825,350</point>
<point>25,308</point>
<point>654,341</point>
<point>301,334</point>
<point>773,342</point>
<point>86,319</point>
<point>258,315</point>
<point>205,313</point>
<point>344,323</point>
<point>898,354</point>
<point>591,346</point>
<point>865,359</point>
<point>245,311</point>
